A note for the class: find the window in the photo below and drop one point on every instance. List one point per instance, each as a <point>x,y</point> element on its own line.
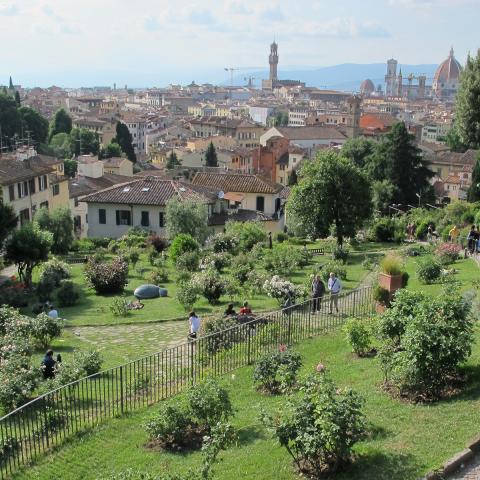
<point>123,217</point>
<point>22,189</point>
<point>24,216</point>
<point>31,186</point>
<point>56,189</point>
<point>44,205</point>
<point>11,192</point>
<point>161,219</point>
<point>102,216</point>
<point>145,222</point>
<point>42,183</point>
<point>260,204</point>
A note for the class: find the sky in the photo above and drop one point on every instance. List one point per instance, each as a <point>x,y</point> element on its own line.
<point>157,42</point>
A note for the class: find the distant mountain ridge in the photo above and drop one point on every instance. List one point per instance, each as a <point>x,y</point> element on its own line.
<point>346,76</point>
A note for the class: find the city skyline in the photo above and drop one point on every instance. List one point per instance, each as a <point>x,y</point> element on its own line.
<point>156,43</point>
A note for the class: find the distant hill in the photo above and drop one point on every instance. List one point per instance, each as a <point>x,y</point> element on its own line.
<point>347,76</point>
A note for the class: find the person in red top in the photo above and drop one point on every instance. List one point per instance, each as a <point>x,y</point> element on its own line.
<point>245,310</point>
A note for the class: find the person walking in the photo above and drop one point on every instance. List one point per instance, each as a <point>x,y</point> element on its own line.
<point>318,290</point>
<point>471,243</point>
<point>48,365</point>
<point>334,287</point>
<point>194,323</point>
<point>453,234</point>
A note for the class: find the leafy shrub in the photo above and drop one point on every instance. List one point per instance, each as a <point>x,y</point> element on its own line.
<point>160,244</point>
<point>405,278</point>
<point>429,269</point>
<point>279,289</point>
<point>216,261</point>
<point>340,254</point>
<point>107,277</point>
<point>241,265</point>
<point>9,446</point>
<point>248,234</point>
<point>281,259</point>
<point>133,256</point>
<point>320,427</point>
<point>277,372</point>
<point>222,242</point>
<point>89,361</point>
<point>187,294</point>
<point>67,294</point>
<point>82,245</point>
<point>18,380</point>
<point>383,230</point>
<point>210,285</point>
<point>79,365</point>
<point>45,289</point>
<point>417,250</point>
<point>358,335</point>
<point>12,293</point>
<point>424,340</point>
<point>152,255</point>
<point>281,237</point>
<point>220,334</point>
<point>113,246</point>
<point>120,307</point>
<point>336,267</point>
<point>422,229</point>
<point>188,261</point>
<point>183,423</point>
<point>99,242</point>
<point>182,244</point>
<point>391,264</point>
<point>381,295</point>
<point>136,237</point>
<point>448,252</point>
<point>158,276</point>
<point>55,271</point>
<point>44,328</point>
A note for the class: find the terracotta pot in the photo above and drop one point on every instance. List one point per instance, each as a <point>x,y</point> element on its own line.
<point>390,282</point>
<point>380,307</point>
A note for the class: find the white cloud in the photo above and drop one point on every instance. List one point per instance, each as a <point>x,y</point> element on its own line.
<point>9,10</point>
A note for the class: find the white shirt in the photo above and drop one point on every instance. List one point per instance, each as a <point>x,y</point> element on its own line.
<point>194,324</point>
<point>53,313</point>
<point>334,285</point>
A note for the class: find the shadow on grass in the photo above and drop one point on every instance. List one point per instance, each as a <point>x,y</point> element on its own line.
<point>381,466</point>
<point>250,434</point>
<point>471,389</point>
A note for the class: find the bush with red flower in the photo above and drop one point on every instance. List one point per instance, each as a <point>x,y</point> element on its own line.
<point>448,252</point>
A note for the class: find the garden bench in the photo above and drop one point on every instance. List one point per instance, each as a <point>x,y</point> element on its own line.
<point>75,260</point>
<point>317,251</point>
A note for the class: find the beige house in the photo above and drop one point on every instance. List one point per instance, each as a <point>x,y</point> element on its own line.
<point>118,166</point>
<point>32,182</point>
<point>219,142</point>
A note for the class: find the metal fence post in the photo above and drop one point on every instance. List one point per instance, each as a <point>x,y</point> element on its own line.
<point>248,345</point>
<point>121,388</point>
<point>192,371</point>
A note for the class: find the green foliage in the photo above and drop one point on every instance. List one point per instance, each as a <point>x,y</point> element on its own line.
<point>340,254</point>
<point>173,161</point>
<point>211,159</point>
<point>83,245</point>
<point>188,261</point>
<point>158,276</point>
<point>133,256</point>
<point>332,192</point>
<point>217,261</point>
<point>358,150</point>
<point>124,139</point>
<point>27,247</point>
<point>381,295</point>
<point>210,285</point>
<point>187,217</point>
<point>448,253</point>
<point>424,341</point>
<point>9,446</point>
<point>60,224</point>
<point>220,334</point>
<point>34,123</point>
<point>55,270</point>
<point>44,328</point>
<point>319,428</point>
<point>391,264</point>
<point>8,221</point>
<point>359,336</point>
<point>107,277</point>
<point>89,361</point>
<point>467,107</point>
<point>241,266</point>
<point>281,237</point>
<point>18,379</point>
<point>84,142</point>
<point>187,295</point>
<point>67,294</point>
<point>277,372</point>
<point>338,268</point>
<point>429,269</point>
<point>248,234</point>
<point>474,190</point>
<point>181,244</point>
<point>120,307</point>
<point>222,242</point>
<point>60,146</point>
<point>77,366</point>
<point>61,123</point>
<point>282,259</point>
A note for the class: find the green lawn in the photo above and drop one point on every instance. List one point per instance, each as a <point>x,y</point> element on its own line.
<point>404,441</point>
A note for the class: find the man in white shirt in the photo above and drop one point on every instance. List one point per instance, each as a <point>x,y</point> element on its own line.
<point>53,313</point>
<point>194,323</point>
<point>334,287</point>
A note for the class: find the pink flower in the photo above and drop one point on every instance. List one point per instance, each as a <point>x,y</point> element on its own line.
<point>320,367</point>
<point>282,348</point>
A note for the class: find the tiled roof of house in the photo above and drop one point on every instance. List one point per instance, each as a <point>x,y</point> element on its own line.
<point>150,191</point>
<point>86,185</point>
<point>455,179</point>
<point>13,170</point>
<point>236,182</point>
<point>377,121</point>
<point>113,161</point>
<point>311,133</point>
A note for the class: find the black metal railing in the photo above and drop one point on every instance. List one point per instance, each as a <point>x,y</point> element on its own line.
<point>46,421</point>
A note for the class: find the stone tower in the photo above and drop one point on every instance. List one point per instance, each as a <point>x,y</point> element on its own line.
<point>399,91</point>
<point>273,61</point>
<point>354,104</point>
<point>391,78</point>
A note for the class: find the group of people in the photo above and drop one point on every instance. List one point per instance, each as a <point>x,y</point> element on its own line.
<point>473,240</point>
<point>334,286</point>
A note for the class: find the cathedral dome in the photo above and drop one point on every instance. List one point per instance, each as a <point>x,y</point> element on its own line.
<point>367,87</point>
<point>447,76</point>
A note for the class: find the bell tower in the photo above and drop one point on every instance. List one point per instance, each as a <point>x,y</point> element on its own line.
<point>273,61</point>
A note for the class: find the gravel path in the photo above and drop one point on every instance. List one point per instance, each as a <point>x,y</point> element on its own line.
<point>469,472</point>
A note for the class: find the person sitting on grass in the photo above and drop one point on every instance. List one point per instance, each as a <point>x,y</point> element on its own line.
<point>245,310</point>
<point>229,311</point>
<point>48,365</point>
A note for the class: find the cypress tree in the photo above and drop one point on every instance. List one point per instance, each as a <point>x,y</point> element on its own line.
<point>474,190</point>
<point>124,139</point>
<point>211,159</point>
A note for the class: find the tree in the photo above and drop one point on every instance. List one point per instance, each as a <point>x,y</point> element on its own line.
<point>61,123</point>
<point>84,142</point>
<point>173,161</point>
<point>10,84</point>
<point>452,139</point>
<point>18,102</point>
<point>281,119</point>
<point>467,108</point>
<point>60,145</point>
<point>398,160</point>
<point>383,194</point>
<point>124,139</point>
<point>211,159</point>
<point>8,221</point>
<point>34,123</point>
<point>28,247</point>
<point>187,216</point>
<point>474,190</point>
<point>292,178</point>
<point>10,121</point>
<point>110,150</point>
<point>60,224</point>
<point>70,166</point>
<point>358,150</point>
<point>332,192</point>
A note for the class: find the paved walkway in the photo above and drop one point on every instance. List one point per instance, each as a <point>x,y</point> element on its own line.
<point>469,472</point>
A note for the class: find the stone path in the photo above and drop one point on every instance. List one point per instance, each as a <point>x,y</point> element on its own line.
<point>469,472</point>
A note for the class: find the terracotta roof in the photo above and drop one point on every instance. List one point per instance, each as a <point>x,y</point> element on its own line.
<point>285,193</point>
<point>86,185</point>
<point>448,70</point>
<point>455,179</point>
<point>311,133</point>
<point>113,161</point>
<point>367,87</point>
<point>377,121</point>
<point>236,182</point>
<point>150,191</point>
<point>13,170</point>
